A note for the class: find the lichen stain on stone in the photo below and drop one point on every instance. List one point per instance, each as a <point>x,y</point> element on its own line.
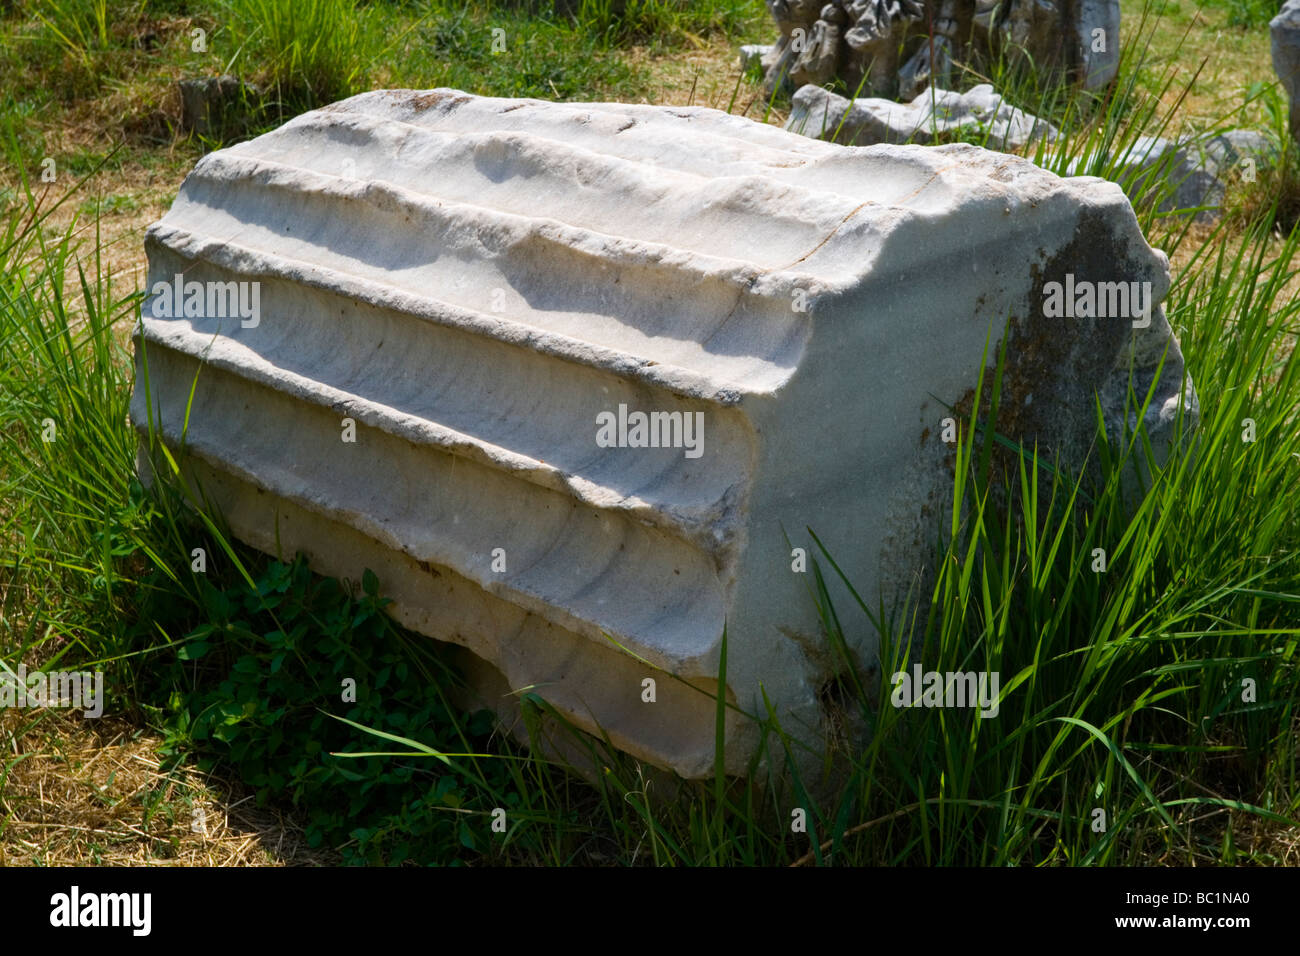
<point>433,98</point>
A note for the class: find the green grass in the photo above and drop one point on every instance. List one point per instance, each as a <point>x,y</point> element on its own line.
<point>1249,14</point>
<point>1122,691</point>
<point>312,52</point>
<point>619,20</point>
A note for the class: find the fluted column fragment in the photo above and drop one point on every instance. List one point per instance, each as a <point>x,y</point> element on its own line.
<point>575,379</point>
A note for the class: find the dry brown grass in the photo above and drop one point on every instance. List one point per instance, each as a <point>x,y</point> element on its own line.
<point>79,792</point>
<point>1233,58</point>
<point>705,76</point>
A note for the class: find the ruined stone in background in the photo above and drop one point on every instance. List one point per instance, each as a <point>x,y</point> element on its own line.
<point>1194,173</point>
<point>208,103</point>
<point>885,48</point>
<point>472,285</point>
<point>1226,154</point>
<point>867,121</point>
<point>1284,31</point>
<point>1097,67</point>
<point>931,65</point>
<point>1230,158</point>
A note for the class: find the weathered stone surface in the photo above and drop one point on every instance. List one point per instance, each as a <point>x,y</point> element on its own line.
<point>1284,33</point>
<point>1096,31</point>
<point>477,284</point>
<point>866,121</point>
<point>898,48</point>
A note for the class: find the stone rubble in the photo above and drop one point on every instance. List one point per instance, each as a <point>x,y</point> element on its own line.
<point>898,48</point>
<point>866,121</point>
<point>207,102</point>
<point>1196,173</point>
